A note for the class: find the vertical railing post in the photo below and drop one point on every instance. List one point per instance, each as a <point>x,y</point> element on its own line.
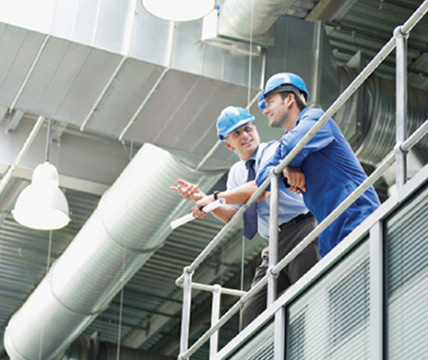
<point>280,333</point>
<point>401,104</point>
<point>215,315</point>
<point>273,238</point>
<point>185,316</point>
<point>377,291</point>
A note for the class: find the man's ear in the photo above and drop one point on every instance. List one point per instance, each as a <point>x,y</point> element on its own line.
<point>229,146</point>
<point>291,97</point>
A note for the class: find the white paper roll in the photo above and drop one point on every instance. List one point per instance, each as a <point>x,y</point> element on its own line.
<point>189,217</point>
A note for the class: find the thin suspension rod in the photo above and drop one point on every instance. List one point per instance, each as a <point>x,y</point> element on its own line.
<point>48,140</point>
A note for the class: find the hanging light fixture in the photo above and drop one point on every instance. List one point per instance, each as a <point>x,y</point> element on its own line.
<point>179,10</point>
<point>42,205</point>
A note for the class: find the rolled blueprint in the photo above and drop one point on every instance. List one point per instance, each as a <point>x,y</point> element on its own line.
<point>189,217</point>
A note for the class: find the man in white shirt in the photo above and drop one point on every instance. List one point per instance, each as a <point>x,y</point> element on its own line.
<point>235,127</point>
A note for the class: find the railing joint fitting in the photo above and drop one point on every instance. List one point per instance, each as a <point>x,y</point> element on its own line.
<point>398,32</point>
<point>398,150</point>
<point>187,271</point>
<point>273,273</point>
<point>273,173</point>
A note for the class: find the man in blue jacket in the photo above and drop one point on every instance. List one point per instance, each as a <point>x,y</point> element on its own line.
<point>326,170</point>
<point>236,129</point>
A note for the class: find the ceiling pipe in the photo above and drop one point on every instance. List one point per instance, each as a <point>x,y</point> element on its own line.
<point>237,16</point>
<point>128,226</point>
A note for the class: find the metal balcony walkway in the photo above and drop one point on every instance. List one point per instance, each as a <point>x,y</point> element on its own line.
<point>366,298</point>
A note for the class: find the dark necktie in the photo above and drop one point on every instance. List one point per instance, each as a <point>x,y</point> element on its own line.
<point>250,216</point>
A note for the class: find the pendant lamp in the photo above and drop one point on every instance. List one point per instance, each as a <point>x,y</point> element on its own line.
<point>42,205</point>
<point>179,10</point>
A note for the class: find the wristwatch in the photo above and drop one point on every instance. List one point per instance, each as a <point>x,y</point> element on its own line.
<point>215,194</point>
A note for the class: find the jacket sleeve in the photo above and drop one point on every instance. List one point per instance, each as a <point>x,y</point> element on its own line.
<point>322,138</point>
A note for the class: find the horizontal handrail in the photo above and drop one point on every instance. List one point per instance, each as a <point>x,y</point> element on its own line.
<point>415,137</point>
<point>212,288</point>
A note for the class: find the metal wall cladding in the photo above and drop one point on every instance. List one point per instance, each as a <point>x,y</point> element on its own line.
<point>261,346</point>
<point>407,279</point>
<point>331,320</point>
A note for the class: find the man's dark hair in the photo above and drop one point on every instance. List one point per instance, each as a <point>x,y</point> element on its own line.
<point>299,102</point>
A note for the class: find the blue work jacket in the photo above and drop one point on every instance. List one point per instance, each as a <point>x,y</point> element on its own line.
<point>332,172</point>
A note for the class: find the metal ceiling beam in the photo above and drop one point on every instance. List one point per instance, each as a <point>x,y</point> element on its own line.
<point>328,10</point>
<point>103,161</point>
<point>25,147</point>
<point>149,311</point>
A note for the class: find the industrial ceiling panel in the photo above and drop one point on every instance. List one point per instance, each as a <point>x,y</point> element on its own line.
<point>53,75</point>
<point>173,91</point>
<point>185,115</point>
<point>87,85</point>
<point>19,48</point>
<point>124,96</point>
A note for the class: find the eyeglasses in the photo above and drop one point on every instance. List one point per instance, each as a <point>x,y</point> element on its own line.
<point>237,133</point>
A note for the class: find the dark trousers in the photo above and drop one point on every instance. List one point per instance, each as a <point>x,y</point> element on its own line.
<point>291,234</point>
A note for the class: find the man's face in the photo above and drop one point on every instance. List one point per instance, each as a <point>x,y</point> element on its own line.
<point>244,141</point>
<point>276,109</point>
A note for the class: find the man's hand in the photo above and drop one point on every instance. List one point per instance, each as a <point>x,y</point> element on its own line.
<point>188,191</point>
<point>197,209</point>
<point>295,178</point>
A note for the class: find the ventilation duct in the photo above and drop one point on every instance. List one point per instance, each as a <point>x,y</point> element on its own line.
<point>129,224</point>
<point>254,18</point>
<point>379,111</point>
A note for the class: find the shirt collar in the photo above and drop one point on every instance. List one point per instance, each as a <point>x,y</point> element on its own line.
<point>300,116</point>
<point>254,156</point>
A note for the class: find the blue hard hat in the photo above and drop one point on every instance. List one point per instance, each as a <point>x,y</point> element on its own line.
<point>232,118</point>
<point>280,80</point>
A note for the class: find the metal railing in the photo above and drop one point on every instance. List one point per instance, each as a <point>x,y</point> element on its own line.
<point>401,148</point>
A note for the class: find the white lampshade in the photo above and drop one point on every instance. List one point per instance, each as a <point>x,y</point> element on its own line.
<point>42,205</point>
<point>179,10</point>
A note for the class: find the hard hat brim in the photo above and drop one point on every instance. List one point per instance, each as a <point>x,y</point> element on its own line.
<point>222,137</point>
